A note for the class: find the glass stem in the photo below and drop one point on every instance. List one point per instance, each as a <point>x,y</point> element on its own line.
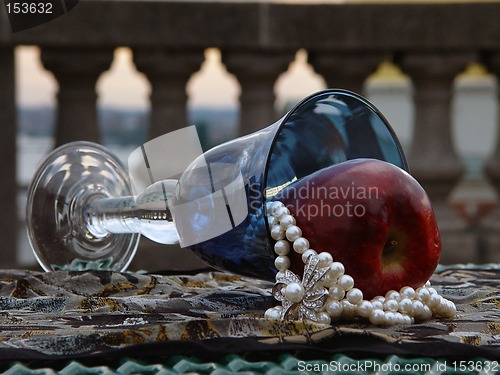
<point>112,215</point>
<point>147,213</point>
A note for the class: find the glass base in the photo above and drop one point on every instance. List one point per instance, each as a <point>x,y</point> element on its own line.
<point>68,179</point>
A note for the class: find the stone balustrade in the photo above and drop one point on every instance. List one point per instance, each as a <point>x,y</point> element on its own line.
<point>431,43</point>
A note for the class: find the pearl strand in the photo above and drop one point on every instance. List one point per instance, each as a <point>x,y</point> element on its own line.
<point>344,301</point>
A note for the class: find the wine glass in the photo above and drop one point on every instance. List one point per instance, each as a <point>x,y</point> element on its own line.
<point>82,214</point>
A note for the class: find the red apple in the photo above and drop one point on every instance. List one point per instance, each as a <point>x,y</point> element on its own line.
<point>373,217</point>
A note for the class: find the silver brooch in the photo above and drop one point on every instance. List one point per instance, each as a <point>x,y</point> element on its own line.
<point>301,299</point>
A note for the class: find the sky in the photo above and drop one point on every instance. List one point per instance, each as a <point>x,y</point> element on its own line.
<point>124,87</point>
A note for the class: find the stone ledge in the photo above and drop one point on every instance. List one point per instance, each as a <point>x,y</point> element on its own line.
<point>337,27</point>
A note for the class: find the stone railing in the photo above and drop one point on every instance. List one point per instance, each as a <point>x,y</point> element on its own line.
<point>431,43</point>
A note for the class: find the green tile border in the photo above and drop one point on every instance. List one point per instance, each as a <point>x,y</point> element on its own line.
<point>284,364</point>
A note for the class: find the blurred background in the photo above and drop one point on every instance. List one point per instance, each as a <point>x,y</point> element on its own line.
<point>124,72</point>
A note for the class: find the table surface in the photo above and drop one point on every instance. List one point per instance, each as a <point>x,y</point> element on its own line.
<point>86,316</point>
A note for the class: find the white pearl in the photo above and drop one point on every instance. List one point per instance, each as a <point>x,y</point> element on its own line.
<point>442,306</point>
<point>377,305</point>
<point>364,309</point>
<point>432,291</point>
<point>407,292</point>
<point>307,254</point>
<point>377,317</point>
<point>451,305</point>
<point>329,280</point>
<point>300,245</point>
<point>334,308</point>
<point>336,293</point>
<point>418,309</point>
<point>450,311</point>
<point>271,220</point>
<point>392,294</point>
<point>272,313</point>
<point>378,299</point>
<point>354,296</point>
<point>390,318</point>
<point>434,301</point>
<point>405,306</point>
<point>268,206</point>
<point>277,233</point>
<point>282,247</point>
<point>325,259</point>
<point>294,292</point>
<point>268,313</point>
<point>279,275</point>
<point>391,305</point>
<point>293,232</point>
<point>337,269</point>
<point>345,282</point>
<point>275,206</point>
<point>281,212</point>
<point>282,263</point>
<point>423,294</point>
<point>348,309</point>
<point>323,318</point>
<point>427,284</point>
<point>286,221</point>
<point>407,319</point>
<point>398,317</point>
<point>426,313</point>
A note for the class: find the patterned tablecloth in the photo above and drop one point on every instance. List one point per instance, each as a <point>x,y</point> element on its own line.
<point>91,314</point>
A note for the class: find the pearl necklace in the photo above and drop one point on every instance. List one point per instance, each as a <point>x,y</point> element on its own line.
<point>326,294</point>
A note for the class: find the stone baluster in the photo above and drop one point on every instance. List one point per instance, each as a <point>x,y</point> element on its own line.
<point>390,90</point>
<point>168,72</point>
<point>77,71</point>
<point>256,73</point>
<point>490,236</point>
<point>432,157</point>
<point>8,187</point>
<point>345,70</point>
